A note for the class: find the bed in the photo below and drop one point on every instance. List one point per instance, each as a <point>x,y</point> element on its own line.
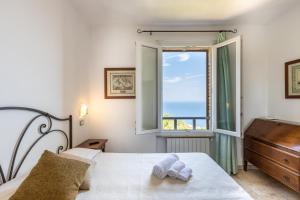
<point>127,176</point>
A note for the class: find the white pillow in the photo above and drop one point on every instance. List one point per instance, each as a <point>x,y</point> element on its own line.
<point>9,188</point>
<point>84,155</point>
<point>83,152</point>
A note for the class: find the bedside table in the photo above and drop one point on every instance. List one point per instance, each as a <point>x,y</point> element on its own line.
<point>99,144</point>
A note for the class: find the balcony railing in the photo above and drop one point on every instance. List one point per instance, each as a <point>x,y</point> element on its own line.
<point>176,120</point>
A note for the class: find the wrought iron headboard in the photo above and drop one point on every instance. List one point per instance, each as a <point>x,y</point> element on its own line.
<point>43,129</point>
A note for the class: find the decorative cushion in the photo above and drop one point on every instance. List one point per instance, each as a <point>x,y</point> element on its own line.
<point>53,177</point>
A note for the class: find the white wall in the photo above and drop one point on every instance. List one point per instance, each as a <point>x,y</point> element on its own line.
<point>114,47</point>
<point>31,54</point>
<point>283,35</point>
<point>77,56</point>
<point>43,53</point>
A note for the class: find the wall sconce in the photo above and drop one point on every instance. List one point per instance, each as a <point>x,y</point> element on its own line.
<point>83,113</point>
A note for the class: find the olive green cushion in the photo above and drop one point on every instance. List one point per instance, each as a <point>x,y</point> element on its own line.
<point>52,178</point>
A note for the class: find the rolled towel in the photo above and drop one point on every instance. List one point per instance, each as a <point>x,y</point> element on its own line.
<point>160,169</point>
<point>175,169</point>
<point>185,174</point>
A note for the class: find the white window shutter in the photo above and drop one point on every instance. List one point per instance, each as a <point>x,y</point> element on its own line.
<point>148,88</point>
<point>234,57</point>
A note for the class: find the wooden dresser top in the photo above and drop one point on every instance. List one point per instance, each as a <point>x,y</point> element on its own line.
<point>277,133</point>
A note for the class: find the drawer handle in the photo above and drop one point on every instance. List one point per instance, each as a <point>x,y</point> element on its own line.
<point>286,161</point>
<point>286,178</point>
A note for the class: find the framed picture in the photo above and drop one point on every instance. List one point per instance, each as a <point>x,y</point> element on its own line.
<point>119,83</point>
<point>292,79</point>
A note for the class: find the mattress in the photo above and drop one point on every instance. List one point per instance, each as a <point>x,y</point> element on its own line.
<point>127,176</point>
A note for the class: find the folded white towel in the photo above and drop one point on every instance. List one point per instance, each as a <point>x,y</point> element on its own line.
<point>175,169</point>
<point>185,174</point>
<point>160,169</point>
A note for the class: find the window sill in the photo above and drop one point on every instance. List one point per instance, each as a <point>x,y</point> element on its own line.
<point>184,134</point>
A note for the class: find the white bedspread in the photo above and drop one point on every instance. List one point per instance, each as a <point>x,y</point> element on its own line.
<point>128,177</point>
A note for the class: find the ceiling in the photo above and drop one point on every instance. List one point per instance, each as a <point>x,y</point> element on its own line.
<point>182,12</point>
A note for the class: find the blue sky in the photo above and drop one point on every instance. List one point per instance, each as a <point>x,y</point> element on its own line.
<point>184,76</point>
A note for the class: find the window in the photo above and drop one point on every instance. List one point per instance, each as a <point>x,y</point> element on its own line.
<point>185,89</point>
<point>178,91</point>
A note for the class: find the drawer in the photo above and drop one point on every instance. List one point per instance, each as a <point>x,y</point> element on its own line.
<point>284,158</point>
<point>285,176</point>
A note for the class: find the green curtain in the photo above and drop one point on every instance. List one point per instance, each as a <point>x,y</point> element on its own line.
<point>225,145</point>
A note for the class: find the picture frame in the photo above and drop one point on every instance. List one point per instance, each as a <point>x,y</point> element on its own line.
<point>119,83</point>
<point>292,79</point>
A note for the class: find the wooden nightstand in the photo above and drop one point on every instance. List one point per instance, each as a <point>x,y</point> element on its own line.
<point>94,144</point>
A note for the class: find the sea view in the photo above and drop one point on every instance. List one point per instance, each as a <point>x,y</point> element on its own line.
<point>186,109</point>
<point>184,88</point>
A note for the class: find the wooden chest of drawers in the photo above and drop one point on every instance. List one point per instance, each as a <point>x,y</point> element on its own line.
<point>274,147</point>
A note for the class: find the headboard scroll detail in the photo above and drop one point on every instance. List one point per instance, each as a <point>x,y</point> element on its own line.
<point>43,130</point>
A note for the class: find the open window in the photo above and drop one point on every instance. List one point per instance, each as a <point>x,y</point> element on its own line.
<point>224,108</point>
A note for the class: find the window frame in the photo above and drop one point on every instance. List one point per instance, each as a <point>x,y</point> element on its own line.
<point>210,78</point>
